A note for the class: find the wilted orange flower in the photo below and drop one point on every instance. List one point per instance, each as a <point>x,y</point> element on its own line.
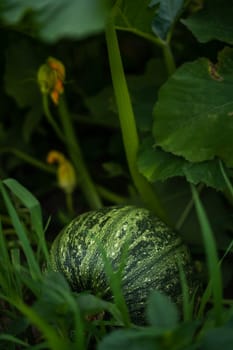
<point>51,76</point>
<point>65,172</point>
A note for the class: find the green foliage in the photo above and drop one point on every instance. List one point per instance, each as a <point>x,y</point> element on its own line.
<point>156,164</point>
<point>196,101</point>
<point>213,21</point>
<point>166,15</point>
<point>66,320</point>
<point>161,312</point>
<point>175,90</point>
<point>81,18</point>
<point>134,16</point>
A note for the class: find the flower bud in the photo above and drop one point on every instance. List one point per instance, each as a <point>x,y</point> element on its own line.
<point>65,171</point>
<point>50,77</point>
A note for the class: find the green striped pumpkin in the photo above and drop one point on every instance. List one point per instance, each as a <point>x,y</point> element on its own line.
<point>154,251</point>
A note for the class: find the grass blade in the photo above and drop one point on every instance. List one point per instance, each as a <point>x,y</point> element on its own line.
<point>22,234</point>
<point>115,280</point>
<point>212,258</point>
<point>228,183</point>
<point>55,342</point>
<point>187,304</point>
<point>10,338</point>
<point>5,276</point>
<point>33,205</point>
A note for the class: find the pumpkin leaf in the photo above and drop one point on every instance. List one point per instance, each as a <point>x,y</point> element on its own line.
<point>158,165</point>
<point>135,15</point>
<point>214,21</point>
<point>165,17</point>
<point>161,312</point>
<point>192,123</point>
<point>57,19</point>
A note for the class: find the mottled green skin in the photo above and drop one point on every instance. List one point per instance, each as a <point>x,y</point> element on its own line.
<point>152,261</point>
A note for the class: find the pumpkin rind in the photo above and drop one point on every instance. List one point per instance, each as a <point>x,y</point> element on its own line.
<point>153,254</point>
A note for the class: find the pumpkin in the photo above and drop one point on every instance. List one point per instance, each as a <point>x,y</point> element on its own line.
<point>154,254</point>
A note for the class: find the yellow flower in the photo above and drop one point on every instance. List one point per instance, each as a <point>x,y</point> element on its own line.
<point>50,77</point>
<point>65,172</point>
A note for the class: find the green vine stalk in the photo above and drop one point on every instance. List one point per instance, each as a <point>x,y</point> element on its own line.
<point>50,118</point>
<point>75,153</point>
<point>127,122</point>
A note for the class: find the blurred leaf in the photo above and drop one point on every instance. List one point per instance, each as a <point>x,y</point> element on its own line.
<point>22,62</point>
<point>193,115</point>
<point>214,21</point>
<point>184,335</point>
<point>53,286</point>
<point>217,338</point>
<point>52,301</point>
<point>130,340</point>
<point>165,17</point>
<point>158,165</point>
<point>161,312</point>
<point>91,305</point>
<point>58,19</point>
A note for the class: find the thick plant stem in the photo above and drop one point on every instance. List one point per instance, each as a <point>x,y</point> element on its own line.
<point>76,156</point>
<point>127,122</point>
<point>169,59</point>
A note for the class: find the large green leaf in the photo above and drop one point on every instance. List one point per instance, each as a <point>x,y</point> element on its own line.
<point>166,16</point>
<point>135,16</point>
<point>148,17</point>
<point>214,21</point>
<point>57,19</point>
<point>158,165</point>
<point>193,117</point>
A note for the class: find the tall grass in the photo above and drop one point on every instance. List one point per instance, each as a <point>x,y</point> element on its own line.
<point>43,298</point>
<point>212,260</point>
<point>39,310</point>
